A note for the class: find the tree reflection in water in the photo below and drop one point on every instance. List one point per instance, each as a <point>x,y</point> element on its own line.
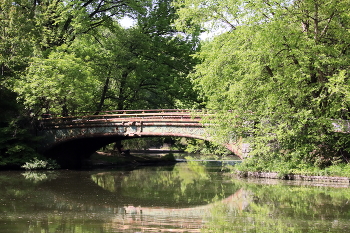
<point>176,186</point>
<point>182,198</point>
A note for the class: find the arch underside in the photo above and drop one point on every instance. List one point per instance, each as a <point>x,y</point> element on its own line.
<point>70,146</point>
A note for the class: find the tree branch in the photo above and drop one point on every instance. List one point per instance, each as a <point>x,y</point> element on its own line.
<point>327,25</point>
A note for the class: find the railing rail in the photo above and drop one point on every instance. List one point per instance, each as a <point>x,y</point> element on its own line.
<point>121,117</point>
<point>120,112</point>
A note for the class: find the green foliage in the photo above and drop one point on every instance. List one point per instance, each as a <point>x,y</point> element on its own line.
<point>31,28</point>
<point>193,145</point>
<point>284,168</point>
<point>59,84</point>
<point>15,40</point>
<point>16,138</point>
<point>153,62</point>
<point>107,67</point>
<point>38,164</point>
<point>169,157</point>
<point>143,143</point>
<point>282,72</point>
<point>17,143</point>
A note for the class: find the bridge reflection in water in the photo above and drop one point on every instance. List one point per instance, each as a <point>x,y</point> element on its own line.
<point>182,197</point>
<point>152,199</point>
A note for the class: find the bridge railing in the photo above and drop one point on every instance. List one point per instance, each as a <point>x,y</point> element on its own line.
<point>121,116</point>
<point>120,112</point>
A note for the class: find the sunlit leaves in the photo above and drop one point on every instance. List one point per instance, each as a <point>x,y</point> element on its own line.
<point>284,69</point>
<point>339,91</point>
<point>58,84</point>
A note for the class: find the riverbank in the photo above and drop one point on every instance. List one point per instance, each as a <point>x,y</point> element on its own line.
<point>291,170</point>
<point>276,175</point>
<point>102,159</point>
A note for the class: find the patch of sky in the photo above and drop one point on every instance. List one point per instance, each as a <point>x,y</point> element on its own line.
<point>127,22</point>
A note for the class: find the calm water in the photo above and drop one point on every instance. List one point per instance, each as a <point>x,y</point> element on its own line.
<point>186,197</point>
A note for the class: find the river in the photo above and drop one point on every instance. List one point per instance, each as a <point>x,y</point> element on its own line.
<point>185,197</point>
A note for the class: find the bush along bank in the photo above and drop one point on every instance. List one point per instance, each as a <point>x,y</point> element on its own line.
<point>286,171</point>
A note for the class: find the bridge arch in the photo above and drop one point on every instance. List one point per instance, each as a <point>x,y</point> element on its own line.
<point>71,139</point>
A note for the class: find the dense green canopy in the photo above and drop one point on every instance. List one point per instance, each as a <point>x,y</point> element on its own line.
<point>282,70</point>
<point>68,56</point>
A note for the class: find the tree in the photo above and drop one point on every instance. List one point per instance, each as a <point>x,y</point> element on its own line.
<point>31,30</point>
<point>36,27</point>
<point>113,68</point>
<point>282,71</point>
<point>149,63</point>
<point>60,84</point>
<point>33,35</point>
<point>144,66</point>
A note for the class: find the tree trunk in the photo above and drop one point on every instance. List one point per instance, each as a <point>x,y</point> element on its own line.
<point>103,96</point>
<point>121,97</point>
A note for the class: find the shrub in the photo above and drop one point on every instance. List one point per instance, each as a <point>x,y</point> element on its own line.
<point>37,164</point>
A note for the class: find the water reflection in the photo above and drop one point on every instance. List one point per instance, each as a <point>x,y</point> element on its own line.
<point>187,197</point>
<point>39,176</point>
<point>176,186</point>
<point>283,208</point>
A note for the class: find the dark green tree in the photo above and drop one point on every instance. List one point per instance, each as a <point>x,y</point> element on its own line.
<point>149,63</point>
<point>113,68</point>
<point>29,31</point>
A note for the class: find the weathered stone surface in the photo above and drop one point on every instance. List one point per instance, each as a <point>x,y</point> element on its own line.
<point>275,175</point>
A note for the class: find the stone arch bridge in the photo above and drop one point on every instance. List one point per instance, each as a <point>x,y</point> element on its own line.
<point>71,139</point>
